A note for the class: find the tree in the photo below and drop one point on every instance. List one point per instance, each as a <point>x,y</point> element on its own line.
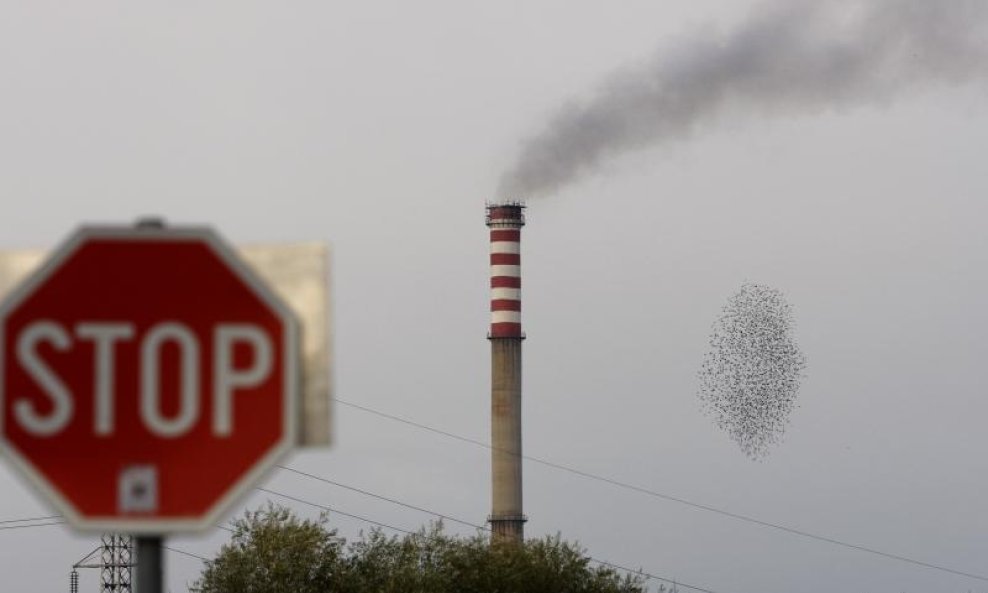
<point>273,551</point>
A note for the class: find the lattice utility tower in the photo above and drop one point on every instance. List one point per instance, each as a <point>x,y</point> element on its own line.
<point>116,561</point>
<point>117,556</point>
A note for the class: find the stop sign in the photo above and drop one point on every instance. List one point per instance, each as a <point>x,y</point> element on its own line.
<point>147,378</point>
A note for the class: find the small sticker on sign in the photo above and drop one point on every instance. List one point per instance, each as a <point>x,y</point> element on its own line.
<point>138,489</point>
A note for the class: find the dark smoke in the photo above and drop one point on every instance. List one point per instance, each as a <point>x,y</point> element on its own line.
<point>750,378</point>
<point>793,56</point>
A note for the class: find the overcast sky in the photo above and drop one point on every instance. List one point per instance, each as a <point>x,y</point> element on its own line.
<point>382,128</point>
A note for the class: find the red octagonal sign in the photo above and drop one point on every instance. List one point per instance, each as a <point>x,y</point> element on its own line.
<point>147,378</point>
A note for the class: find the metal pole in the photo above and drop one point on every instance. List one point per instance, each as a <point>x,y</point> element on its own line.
<point>150,575</point>
<point>149,565</point>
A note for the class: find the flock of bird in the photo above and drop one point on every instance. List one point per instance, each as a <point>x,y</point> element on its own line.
<point>750,378</point>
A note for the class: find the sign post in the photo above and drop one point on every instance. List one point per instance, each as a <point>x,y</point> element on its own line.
<point>150,565</point>
<point>150,568</point>
<point>148,378</point>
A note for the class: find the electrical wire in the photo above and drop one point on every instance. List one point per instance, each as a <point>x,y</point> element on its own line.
<point>676,584</point>
<point>5,524</point>
<point>409,532</point>
<point>358,517</point>
<point>26,519</point>
<point>87,557</point>
<point>8,527</point>
<point>381,497</point>
<point>611,565</point>
<point>184,553</point>
<point>671,498</point>
<point>334,510</point>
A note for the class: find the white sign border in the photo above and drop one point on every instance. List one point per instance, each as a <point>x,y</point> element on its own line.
<point>291,364</point>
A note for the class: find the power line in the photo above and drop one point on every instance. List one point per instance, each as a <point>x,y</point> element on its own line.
<point>26,519</point>
<point>87,556</point>
<point>671,498</point>
<point>5,528</point>
<point>418,425</point>
<point>360,518</point>
<point>367,520</point>
<point>337,511</point>
<point>639,572</point>
<point>406,531</point>
<point>184,553</point>
<point>384,498</point>
<point>560,467</point>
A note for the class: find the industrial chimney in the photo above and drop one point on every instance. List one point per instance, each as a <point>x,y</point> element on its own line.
<point>505,221</point>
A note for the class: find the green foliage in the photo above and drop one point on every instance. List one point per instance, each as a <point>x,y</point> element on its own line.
<point>272,551</point>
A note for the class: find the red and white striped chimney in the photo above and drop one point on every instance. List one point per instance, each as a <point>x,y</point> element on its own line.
<point>505,222</point>
<point>507,518</point>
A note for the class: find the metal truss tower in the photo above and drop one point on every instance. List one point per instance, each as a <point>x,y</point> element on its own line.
<point>116,560</point>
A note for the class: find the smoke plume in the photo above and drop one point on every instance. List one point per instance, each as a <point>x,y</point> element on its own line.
<point>750,378</point>
<point>790,57</point>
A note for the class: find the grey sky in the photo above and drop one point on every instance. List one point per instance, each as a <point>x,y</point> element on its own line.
<point>383,127</point>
